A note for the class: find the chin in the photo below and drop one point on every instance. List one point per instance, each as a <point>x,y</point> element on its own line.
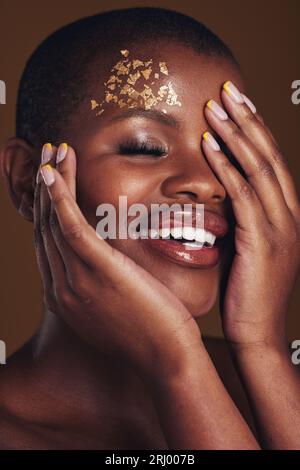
<point>198,306</point>
<point>196,289</point>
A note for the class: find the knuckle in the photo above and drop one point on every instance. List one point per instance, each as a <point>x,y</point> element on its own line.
<point>265,169</point>
<point>277,157</point>
<point>74,231</point>
<point>249,116</point>
<point>81,290</point>
<point>236,135</point>
<point>244,190</point>
<point>63,297</point>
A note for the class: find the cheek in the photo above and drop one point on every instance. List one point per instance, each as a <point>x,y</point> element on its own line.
<point>106,181</point>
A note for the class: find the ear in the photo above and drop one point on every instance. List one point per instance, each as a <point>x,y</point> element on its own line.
<point>19,163</point>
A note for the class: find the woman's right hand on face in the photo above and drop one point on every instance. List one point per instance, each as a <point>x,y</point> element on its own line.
<point>104,295</point>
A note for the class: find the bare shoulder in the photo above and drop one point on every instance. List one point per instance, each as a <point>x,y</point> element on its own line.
<point>221,357</point>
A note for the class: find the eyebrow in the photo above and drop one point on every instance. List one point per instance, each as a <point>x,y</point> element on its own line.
<point>153,114</point>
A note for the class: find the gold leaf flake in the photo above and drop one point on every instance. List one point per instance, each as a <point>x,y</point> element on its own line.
<point>121,103</point>
<point>172,96</point>
<point>163,68</point>
<point>133,94</point>
<point>94,104</point>
<point>121,68</point>
<point>113,79</point>
<point>100,112</point>
<point>125,52</point>
<point>156,75</point>
<point>137,63</point>
<point>125,89</point>
<point>133,78</point>
<point>112,86</point>
<point>147,73</point>
<point>148,63</point>
<point>109,97</point>
<point>163,90</point>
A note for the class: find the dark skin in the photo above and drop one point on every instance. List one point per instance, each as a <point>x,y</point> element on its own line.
<point>109,376</point>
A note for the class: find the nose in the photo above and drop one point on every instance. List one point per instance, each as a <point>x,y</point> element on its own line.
<point>192,179</point>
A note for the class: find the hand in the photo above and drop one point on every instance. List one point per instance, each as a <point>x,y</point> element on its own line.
<point>267,217</point>
<point>115,304</point>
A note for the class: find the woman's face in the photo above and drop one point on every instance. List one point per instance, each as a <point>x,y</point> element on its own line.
<point>182,176</point>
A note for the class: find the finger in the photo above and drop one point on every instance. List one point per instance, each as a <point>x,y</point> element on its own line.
<point>75,267</point>
<point>66,165</point>
<point>247,119</point>
<point>93,250</point>
<point>42,261</point>
<point>259,172</point>
<point>54,259</point>
<point>247,208</point>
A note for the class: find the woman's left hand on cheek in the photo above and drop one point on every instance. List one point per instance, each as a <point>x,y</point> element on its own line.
<point>267,216</point>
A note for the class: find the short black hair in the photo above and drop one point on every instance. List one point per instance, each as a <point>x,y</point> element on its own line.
<point>55,76</point>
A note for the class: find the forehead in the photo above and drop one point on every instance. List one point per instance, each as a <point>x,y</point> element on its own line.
<point>170,78</point>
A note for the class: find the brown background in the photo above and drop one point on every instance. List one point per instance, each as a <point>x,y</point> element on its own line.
<point>265,37</point>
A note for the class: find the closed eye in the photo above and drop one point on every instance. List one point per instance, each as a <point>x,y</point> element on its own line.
<point>132,147</point>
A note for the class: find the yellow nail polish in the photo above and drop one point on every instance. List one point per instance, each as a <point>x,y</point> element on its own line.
<point>217,110</point>
<point>211,141</point>
<point>46,153</point>
<point>226,87</point>
<point>233,92</point>
<point>47,174</point>
<point>62,152</point>
<point>209,104</point>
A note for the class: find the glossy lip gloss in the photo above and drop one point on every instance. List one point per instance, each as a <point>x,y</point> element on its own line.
<point>202,257</point>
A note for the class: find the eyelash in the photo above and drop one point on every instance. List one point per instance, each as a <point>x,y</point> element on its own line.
<point>132,147</point>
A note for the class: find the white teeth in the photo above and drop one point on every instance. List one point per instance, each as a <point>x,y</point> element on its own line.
<point>164,233</point>
<point>196,237</point>
<point>188,233</point>
<point>144,233</point>
<point>153,233</point>
<point>176,232</point>
<point>200,235</point>
<point>210,238</point>
<point>195,245</point>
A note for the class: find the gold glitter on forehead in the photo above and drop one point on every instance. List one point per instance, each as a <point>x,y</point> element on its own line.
<point>126,86</point>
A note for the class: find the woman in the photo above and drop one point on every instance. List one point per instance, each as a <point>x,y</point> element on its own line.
<point>149,104</point>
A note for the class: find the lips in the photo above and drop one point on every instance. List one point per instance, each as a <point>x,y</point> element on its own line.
<point>186,252</point>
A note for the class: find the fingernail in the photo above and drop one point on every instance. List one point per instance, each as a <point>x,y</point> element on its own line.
<point>249,104</point>
<point>211,141</point>
<point>48,175</point>
<point>46,153</point>
<point>219,112</point>
<point>62,152</point>
<point>233,92</point>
